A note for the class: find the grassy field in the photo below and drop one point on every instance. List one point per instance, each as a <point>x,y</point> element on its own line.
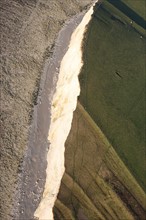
<point>96,184</point>
<point>137,5</point>
<point>139,9</point>
<point>105,157</point>
<point>113,87</point>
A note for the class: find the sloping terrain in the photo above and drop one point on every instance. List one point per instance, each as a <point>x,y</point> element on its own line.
<point>28,32</point>
<point>137,6</point>
<point>96,183</point>
<point>110,129</point>
<point>113,86</point>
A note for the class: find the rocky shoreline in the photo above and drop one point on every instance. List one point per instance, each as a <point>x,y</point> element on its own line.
<point>33,176</point>
<point>63,105</point>
<point>28,30</point>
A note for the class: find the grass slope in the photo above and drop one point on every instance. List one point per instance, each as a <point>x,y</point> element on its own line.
<point>96,184</point>
<point>137,5</point>
<point>113,87</point>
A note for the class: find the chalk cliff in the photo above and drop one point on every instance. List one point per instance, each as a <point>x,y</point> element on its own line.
<point>28,32</point>
<point>63,104</point>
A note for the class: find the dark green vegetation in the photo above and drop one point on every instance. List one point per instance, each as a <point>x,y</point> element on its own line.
<point>139,6</point>
<point>128,11</point>
<point>113,87</point>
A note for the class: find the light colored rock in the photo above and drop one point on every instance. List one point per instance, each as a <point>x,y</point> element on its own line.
<point>28,30</point>
<point>63,104</point>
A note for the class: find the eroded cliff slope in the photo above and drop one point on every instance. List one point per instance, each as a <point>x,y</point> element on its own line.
<point>28,32</point>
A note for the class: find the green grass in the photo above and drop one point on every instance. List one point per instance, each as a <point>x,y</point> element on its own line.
<point>112,160</point>
<point>113,87</point>
<point>124,18</point>
<point>110,126</point>
<point>137,5</point>
<point>92,210</point>
<point>63,211</point>
<point>95,177</point>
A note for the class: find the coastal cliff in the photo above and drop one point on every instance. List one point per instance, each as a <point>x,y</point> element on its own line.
<point>28,33</point>
<point>41,60</point>
<point>63,104</point>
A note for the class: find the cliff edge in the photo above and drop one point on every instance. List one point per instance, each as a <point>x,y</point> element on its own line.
<point>28,32</point>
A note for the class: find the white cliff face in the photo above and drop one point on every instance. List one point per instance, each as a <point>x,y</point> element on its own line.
<point>63,104</point>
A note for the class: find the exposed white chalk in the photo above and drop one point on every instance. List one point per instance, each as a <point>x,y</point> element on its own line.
<point>63,104</point>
